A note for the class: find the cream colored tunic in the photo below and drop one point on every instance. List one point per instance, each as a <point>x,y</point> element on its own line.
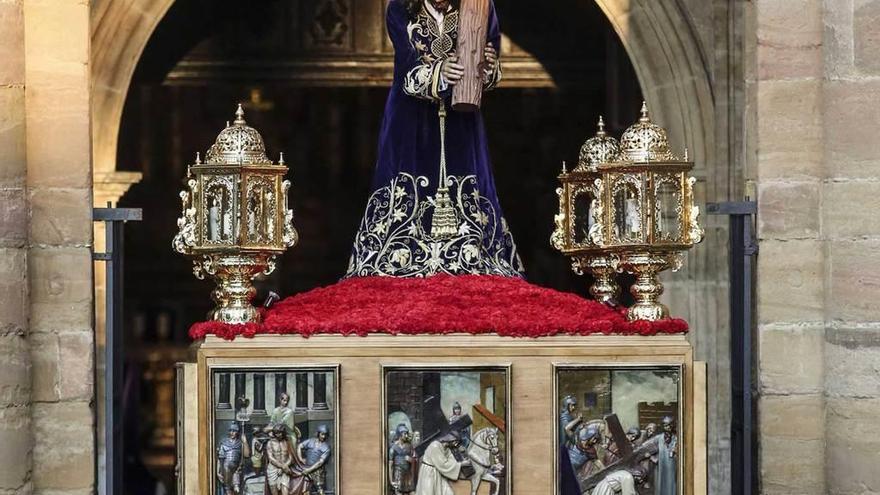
<point>438,467</point>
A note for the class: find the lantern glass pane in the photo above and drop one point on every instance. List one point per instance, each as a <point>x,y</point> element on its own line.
<point>261,210</point>
<point>219,207</point>
<point>668,209</point>
<point>583,216</point>
<point>627,211</point>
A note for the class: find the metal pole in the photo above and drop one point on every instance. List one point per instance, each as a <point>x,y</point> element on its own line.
<point>743,248</point>
<point>114,220</point>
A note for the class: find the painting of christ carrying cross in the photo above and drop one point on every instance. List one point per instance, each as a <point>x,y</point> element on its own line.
<point>447,431</point>
<point>617,431</point>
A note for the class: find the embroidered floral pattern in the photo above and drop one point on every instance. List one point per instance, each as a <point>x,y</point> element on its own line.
<point>394,237</point>
<point>423,81</point>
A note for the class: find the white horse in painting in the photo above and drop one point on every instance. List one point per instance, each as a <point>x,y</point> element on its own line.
<point>483,453</point>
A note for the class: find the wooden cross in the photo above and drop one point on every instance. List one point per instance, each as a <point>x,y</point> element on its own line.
<point>496,421</point>
<point>460,424</point>
<point>629,458</point>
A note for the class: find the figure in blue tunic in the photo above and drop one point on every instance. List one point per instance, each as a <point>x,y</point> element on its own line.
<point>316,452</point>
<point>568,422</point>
<point>433,208</point>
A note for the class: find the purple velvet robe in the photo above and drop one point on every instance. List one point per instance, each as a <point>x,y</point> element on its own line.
<point>395,236</point>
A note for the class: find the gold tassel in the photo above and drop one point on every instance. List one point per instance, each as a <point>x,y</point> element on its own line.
<point>444,224</point>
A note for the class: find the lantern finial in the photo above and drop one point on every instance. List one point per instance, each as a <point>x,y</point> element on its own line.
<point>598,149</point>
<point>645,116</point>
<point>198,158</point>
<point>281,158</point>
<point>239,116</point>
<point>564,167</point>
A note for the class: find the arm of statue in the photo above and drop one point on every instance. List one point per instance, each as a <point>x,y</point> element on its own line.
<point>221,454</point>
<point>391,468</point>
<point>570,427</point>
<point>245,446</point>
<point>419,79</point>
<point>299,452</point>
<point>492,68</point>
<point>322,460</point>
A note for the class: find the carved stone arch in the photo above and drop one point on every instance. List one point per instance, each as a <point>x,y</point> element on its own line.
<point>672,69</point>
<point>120,32</point>
<point>657,36</point>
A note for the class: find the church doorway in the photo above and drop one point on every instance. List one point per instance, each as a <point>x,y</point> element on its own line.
<point>313,78</point>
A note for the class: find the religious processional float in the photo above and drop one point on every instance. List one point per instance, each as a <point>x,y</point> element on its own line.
<point>445,384</point>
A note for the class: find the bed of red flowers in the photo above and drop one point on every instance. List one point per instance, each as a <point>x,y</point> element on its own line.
<point>443,304</point>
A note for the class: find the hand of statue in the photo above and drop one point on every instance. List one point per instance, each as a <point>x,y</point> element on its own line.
<point>452,71</point>
<point>491,56</point>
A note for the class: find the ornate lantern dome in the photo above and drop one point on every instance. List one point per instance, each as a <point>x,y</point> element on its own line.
<point>238,144</point>
<point>645,142</point>
<point>600,148</point>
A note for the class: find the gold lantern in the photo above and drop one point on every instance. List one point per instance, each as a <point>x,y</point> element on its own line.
<point>235,218</point>
<point>642,216</point>
<point>577,234</point>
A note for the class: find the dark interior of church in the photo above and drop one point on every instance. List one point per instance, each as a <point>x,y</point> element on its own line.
<point>309,85</point>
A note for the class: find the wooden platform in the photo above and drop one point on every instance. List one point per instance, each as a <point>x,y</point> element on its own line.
<point>532,362</point>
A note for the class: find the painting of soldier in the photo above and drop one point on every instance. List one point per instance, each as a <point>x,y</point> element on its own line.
<point>278,431</point>
<point>447,431</point>
<point>609,441</point>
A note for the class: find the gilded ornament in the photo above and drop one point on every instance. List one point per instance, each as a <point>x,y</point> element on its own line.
<point>645,141</point>
<point>598,149</point>
<point>235,220</point>
<point>636,206</point>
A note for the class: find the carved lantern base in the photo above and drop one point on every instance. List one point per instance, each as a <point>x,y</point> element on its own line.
<point>235,291</point>
<point>647,288</point>
<point>605,288</point>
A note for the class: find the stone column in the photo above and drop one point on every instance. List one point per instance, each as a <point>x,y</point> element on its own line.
<point>15,376</point>
<point>60,239</point>
<point>785,92</point>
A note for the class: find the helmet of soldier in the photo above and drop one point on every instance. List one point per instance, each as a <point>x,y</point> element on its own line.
<point>234,427</point>
<point>588,433</point>
<point>569,400</point>
<point>401,430</point>
<point>323,429</point>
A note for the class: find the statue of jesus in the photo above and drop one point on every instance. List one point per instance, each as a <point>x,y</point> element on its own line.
<point>433,208</point>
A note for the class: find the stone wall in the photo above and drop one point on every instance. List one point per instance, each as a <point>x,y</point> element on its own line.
<point>46,314</point>
<point>15,386</point>
<point>816,102</point>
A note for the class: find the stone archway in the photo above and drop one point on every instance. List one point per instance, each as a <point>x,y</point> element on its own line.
<point>120,30</point>
<point>671,66</point>
<point>658,37</point>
